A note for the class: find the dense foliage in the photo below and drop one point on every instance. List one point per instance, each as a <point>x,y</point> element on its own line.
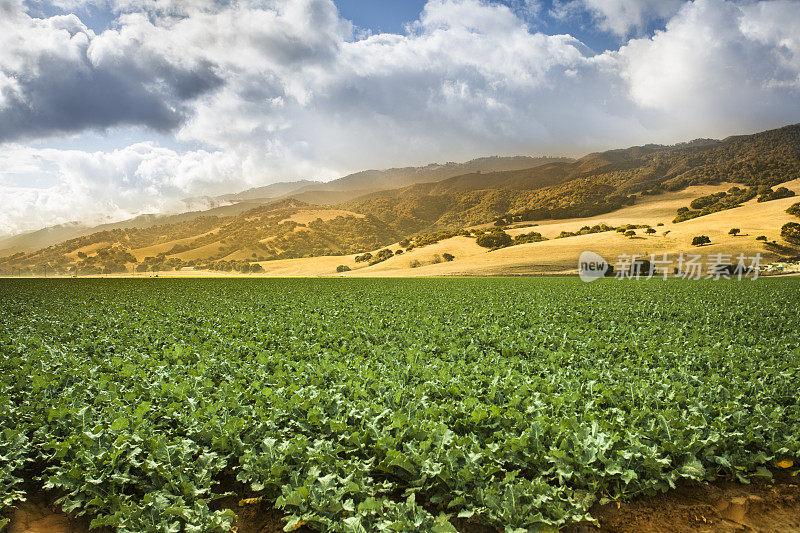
<point>389,405</point>
<point>381,256</point>
<point>781,192</point>
<point>527,238</point>
<point>496,238</point>
<point>791,232</point>
<point>713,203</point>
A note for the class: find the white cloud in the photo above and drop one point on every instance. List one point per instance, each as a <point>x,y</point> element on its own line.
<point>468,79</point>
<point>278,89</point>
<point>718,66</point>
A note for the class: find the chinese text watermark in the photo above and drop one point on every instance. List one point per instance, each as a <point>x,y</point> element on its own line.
<point>592,266</point>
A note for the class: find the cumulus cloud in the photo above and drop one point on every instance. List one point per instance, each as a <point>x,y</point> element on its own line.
<point>277,89</point>
<point>57,77</point>
<point>717,66</point>
<point>469,78</point>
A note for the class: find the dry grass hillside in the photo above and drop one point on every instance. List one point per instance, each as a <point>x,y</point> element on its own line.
<point>560,255</point>
<point>552,256</point>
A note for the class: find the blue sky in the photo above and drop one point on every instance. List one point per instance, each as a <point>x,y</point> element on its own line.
<point>112,108</point>
<point>381,16</point>
<point>392,16</point>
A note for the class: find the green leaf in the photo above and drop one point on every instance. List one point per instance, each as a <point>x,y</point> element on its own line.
<point>120,424</point>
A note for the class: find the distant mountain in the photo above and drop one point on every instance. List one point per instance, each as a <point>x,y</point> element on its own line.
<point>361,183</point>
<point>275,190</point>
<point>35,240</point>
<point>591,185</point>
<point>259,229</point>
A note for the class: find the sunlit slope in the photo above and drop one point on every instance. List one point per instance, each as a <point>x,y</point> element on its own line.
<point>561,255</point>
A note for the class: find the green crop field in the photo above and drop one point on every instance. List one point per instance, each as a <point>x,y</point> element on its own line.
<point>388,405</point>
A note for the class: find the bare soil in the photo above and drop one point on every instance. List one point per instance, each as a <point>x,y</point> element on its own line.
<point>719,507</point>
<point>39,516</point>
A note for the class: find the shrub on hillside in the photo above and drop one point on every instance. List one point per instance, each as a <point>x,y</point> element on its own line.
<point>383,255</point>
<point>714,203</point>
<point>494,239</point>
<point>705,201</point>
<point>781,192</point>
<point>791,232</point>
<point>525,238</point>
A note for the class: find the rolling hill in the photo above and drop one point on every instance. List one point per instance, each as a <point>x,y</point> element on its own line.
<point>314,192</point>
<point>252,233</point>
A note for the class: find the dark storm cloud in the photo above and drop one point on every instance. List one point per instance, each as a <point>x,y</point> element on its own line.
<point>55,84</point>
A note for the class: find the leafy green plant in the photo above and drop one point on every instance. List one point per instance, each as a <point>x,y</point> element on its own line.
<point>388,405</point>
